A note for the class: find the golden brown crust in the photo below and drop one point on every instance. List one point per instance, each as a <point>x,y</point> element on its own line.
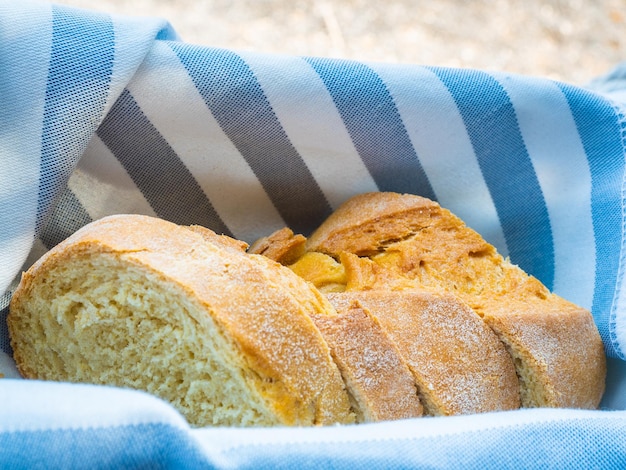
<point>560,342</point>
<point>260,305</point>
<point>373,369</point>
<point>222,240</point>
<point>282,246</point>
<point>416,244</point>
<point>460,366</point>
<point>366,223</point>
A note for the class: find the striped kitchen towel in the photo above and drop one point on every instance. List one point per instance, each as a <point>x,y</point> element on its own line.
<point>102,114</point>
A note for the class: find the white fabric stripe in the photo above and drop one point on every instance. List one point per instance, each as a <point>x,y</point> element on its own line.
<point>620,319</point>
<point>133,37</point>
<point>618,96</point>
<point>8,370</point>
<point>308,115</point>
<point>619,308</point>
<point>438,134</point>
<point>26,406</point>
<point>618,312</point>
<point>188,126</point>
<point>560,162</point>
<point>103,186</point>
<point>23,89</point>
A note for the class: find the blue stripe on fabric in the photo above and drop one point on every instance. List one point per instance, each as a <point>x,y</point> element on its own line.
<point>5,343</point>
<point>236,100</point>
<point>81,64</point>
<point>492,125</point>
<point>375,126</point>
<point>147,446</point>
<point>68,216</point>
<point>601,135</point>
<point>156,169</point>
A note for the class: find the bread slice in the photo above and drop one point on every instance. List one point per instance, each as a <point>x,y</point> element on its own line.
<point>377,377</point>
<point>139,302</point>
<point>416,243</point>
<point>458,363</point>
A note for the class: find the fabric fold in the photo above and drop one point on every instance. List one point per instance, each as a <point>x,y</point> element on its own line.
<point>65,67</point>
<point>129,428</point>
<point>103,114</point>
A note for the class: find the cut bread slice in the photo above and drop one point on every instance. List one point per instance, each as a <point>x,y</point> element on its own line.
<point>458,363</point>
<point>417,244</point>
<point>139,302</point>
<point>376,376</point>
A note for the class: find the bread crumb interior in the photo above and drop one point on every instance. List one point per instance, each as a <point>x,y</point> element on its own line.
<point>102,322</point>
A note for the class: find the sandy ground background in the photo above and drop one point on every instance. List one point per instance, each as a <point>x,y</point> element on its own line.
<point>569,40</point>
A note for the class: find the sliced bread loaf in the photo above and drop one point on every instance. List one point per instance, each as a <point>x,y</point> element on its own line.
<point>377,377</point>
<point>414,243</point>
<point>139,302</point>
<point>458,363</point>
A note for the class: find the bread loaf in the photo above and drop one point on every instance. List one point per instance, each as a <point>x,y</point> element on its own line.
<point>377,376</point>
<point>458,363</point>
<point>413,243</point>
<point>393,308</point>
<point>139,302</point>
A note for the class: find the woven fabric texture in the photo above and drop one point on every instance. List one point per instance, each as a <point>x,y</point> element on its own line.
<point>103,114</point>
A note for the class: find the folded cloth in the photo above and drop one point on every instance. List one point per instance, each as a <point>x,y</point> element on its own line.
<point>103,114</point>
<point>40,428</point>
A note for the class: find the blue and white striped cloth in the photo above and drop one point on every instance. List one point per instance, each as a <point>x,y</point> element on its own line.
<point>103,115</point>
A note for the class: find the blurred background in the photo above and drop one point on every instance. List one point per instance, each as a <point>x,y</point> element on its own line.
<point>568,40</point>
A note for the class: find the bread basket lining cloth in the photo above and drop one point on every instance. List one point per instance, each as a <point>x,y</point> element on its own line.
<point>104,114</point>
